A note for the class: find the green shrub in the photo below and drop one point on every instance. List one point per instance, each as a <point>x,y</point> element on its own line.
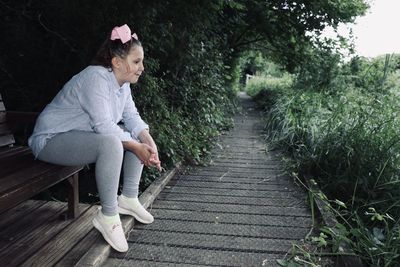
<point>347,138</point>
<point>261,83</point>
<point>185,93</point>
<point>266,90</point>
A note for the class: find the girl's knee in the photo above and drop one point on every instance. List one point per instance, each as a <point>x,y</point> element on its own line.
<point>111,144</point>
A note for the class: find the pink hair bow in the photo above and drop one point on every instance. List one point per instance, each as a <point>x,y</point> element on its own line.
<point>124,33</point>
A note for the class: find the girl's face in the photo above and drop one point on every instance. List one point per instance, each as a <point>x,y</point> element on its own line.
<point>130,68</point>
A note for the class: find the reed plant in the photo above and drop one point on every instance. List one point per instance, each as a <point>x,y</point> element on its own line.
<point>348,139</point>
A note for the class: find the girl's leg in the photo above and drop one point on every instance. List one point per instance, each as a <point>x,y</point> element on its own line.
<point>80,148</point>
<point>132,171</point>
<point>128,202</point>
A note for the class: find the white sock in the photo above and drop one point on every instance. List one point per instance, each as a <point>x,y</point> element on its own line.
<point>113,219</point>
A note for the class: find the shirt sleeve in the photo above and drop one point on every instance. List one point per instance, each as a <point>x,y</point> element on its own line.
<point>94,98</point>
<point>131,118</point>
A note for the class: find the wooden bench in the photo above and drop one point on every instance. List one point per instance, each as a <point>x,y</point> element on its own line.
<point>21,176</point>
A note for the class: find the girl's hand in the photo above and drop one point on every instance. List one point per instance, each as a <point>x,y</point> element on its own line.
<point>148,155</point>
<point>154,161</point>
<point>143,152</point>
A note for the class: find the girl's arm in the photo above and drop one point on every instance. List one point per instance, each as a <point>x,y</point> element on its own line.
<point>147,139</point>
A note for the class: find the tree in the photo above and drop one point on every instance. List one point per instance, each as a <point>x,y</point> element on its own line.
<point>191,50</point>
<point>285,29</point>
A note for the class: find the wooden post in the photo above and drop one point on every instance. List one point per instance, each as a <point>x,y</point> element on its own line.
<point>73,196</point>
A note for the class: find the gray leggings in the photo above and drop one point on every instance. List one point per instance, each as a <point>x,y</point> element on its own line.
<point>80,148</point>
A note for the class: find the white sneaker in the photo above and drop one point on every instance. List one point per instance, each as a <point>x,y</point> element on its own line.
<point>132,206</point>
<point>112,233</point>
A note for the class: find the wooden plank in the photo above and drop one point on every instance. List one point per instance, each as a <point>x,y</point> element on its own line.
<point>251,200</point>
<point>231,192</point>
<point>7,152</point>
<point>22,230</point>
<point>231,218</point>
<point>16,213</point>
<point>33,186</point>
<point>121,262</point>
<point>180,256</point>
<point>4,129</point>
<point>78,251</point>
<point>228,208</point>
<point>59,246</point>
<point>233,179</point>
<point>2,117</point>
<point>276,232</point>
<point>73,196</point>
<point>204,185</point>
<point>15,170</point>
<point>6,140</point>
<point>213,241</point>
<point>17,173</point>
<point>37,236</point>
<point>16,160</point>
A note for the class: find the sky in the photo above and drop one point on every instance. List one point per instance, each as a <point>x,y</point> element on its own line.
<point>377,32</point>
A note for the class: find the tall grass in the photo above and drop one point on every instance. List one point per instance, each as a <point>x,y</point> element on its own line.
<point>348,139</point>
<point>266,89</point>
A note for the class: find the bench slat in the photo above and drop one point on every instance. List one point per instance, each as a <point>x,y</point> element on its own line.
<point>6,137</point>
<point>2,117</point>
<point>33,186</point>
<point>15,162</point>
<point>4,129</point>
<point>13,151</point>
<point>21,176</point>
<point>17,177</point>
<point>6,140</point>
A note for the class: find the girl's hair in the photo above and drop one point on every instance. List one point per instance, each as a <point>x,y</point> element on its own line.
<point>112,48</point>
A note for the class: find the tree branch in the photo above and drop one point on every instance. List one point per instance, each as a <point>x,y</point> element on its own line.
<point>242,34</point>
<point>56,34</point>
<point>256,40</point>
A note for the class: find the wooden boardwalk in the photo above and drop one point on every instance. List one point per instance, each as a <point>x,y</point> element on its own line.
<point>35,234</point>
<point>241,210</point>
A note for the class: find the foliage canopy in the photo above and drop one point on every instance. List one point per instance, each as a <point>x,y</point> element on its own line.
<point>191,49</point>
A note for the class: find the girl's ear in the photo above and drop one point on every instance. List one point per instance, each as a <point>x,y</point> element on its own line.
<point>115,62</point>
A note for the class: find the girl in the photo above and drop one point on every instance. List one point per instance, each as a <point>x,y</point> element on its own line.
<point>80,126</point>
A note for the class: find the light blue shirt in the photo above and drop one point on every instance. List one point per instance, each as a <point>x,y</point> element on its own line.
<point>91,101</point>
